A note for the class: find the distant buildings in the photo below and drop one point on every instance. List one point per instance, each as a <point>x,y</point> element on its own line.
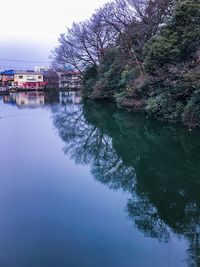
<point>22,79</point>
<point>40,79</point>
<point>69,79</point>
<point>37,68</point>
<point>29,80</point>
<point>51,79</point>
<point>7,78</point>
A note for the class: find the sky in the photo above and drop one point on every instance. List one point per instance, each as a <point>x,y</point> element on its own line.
<point>29,30</point>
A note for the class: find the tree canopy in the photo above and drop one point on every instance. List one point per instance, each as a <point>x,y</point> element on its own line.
<point>142,54</point>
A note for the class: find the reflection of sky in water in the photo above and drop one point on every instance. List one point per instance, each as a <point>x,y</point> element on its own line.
<point>55,213</point>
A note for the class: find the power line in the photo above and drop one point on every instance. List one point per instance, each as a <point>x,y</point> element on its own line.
<point>25,61</point>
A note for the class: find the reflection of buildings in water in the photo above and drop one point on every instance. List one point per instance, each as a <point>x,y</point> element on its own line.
<point>30,99</point>
<point>10,99</point>
<point>70,98</point>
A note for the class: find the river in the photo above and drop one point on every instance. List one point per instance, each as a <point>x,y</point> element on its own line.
<point>85,184</point>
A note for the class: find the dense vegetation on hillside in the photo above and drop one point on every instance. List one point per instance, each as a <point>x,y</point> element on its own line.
<point>142,54</point>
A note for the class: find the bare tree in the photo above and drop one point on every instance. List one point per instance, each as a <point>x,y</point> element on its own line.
<point>124,24</point>
<point>152,13</point>
<point>85,44</point>
<point>120,16</point>
<point>74,49</point>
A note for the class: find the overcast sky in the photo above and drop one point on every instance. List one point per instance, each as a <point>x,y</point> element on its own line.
<point>29,30</point>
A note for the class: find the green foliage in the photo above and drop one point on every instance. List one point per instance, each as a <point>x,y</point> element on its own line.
<point>119,97</point>
<point>191,114</point>
<point>164,106</point>
<point>127,75</point>
<point>109,80</point>
<point>160,51</point>
<point>165,84</point>
<point>110,77</point>
<point>178,40</point>
<point>90,77</point>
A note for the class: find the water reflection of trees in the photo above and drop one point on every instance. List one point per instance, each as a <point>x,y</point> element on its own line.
<point>157,163</point>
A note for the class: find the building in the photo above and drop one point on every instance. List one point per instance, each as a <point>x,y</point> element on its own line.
<point>7,78</point>
<point>43,79</point>
<point>29,80</point>
<point>38,68</point>
<point>51,78</point>
<point>70,80</point>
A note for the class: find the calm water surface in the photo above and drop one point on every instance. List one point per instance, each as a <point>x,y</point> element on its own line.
<point>88,185</point>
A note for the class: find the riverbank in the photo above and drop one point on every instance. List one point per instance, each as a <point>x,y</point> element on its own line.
<point>178,104</point>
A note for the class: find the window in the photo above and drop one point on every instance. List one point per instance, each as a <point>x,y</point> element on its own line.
<point>20,76</point>
<point>40,77</point>
<point>30,77</point>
